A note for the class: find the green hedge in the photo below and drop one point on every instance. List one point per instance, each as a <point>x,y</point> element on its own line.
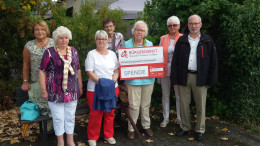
<point>234,25</point>
<point>239,63</point>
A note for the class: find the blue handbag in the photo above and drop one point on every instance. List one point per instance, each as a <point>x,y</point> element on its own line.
<point>29,111</point>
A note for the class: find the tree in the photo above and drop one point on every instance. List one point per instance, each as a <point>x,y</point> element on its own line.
<point>240,59</point>
<point>156,13</point>
<point>234,25</point>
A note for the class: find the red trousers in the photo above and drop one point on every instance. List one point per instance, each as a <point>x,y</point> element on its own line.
<point>95,119</point>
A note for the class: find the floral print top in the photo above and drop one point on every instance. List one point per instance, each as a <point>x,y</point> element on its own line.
<point>36,57</point>
<point>119,41</point>
<point>53,65</point>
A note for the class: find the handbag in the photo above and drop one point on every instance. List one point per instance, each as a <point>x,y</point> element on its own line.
<point>29,111</point>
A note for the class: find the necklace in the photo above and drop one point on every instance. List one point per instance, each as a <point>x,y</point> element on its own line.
<point>67,67</point>
<point>41,44</point>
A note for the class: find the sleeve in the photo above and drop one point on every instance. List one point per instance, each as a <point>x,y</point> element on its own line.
<point>115,60</point>
<point>173,76</point>
<point>148,43</point>
<point>27,45</point>
<point>89,62</point>
<point>45,62</point>
<point>121,41</point>
<point>213,68</point>
<point>123,45</point>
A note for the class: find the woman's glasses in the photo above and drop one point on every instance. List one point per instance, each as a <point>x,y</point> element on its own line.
<point>99,39</point>
<point>173,25</point>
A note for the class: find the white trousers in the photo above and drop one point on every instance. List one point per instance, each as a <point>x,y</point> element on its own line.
<point>139,98</point>
<point>63,116</point>
<point>166,89</point>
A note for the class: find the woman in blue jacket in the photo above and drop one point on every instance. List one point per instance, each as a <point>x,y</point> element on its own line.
<point>139,90</point>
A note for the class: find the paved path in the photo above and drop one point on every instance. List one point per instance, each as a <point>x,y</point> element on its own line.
<point>161,136</point>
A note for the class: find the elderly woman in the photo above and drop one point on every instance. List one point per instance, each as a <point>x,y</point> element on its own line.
<point>32,55</point>
<point>139,90</point>
<point>61,84</point>
<point>101,64</point>
<point>115,39</point>
<point>168,42</point>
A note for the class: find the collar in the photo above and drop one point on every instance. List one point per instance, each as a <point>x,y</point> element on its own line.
<point>197,38</point>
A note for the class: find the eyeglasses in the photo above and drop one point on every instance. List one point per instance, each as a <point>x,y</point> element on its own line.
<point>109,26</point>
<point>39,30</point>
<point>141,30</point>
<point>98,39</point>
<point>173,25</point>
<point>195,24</point>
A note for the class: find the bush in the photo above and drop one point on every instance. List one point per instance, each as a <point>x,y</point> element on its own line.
<point>156,13</point>
<point>84,25</point>
<point>234,25</point>
<point>240,66</point>
<point>15,27</point>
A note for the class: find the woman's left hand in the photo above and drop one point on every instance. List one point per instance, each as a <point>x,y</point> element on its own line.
<point>45,95</point>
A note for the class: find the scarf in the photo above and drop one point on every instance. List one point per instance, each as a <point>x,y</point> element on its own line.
<point>67,67</point>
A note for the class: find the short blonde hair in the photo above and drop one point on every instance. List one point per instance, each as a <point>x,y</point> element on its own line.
<point>101,33</point>
<point>139,22</point>
<point>60,31</point>
<point>42,24</point>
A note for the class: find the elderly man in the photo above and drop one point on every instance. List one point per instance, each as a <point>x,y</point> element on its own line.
<point>194,69</point>
<point>139,90</point>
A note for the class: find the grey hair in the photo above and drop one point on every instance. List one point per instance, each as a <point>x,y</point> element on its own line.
<point>60,31</point>
<point>101,33</point>
<point>139,22</point>
<point>194,15</point>
<point>173,19</point>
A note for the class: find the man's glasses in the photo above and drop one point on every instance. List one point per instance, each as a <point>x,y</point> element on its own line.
<point>173,25</point>
<point>195,24</point>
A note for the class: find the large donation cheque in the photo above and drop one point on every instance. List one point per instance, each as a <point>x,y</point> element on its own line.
<point>141,62</point>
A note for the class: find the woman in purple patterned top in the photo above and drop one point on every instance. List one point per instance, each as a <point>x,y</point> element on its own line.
<point>61,83</point>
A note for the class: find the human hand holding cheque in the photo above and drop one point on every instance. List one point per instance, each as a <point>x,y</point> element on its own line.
<point>141,62</point>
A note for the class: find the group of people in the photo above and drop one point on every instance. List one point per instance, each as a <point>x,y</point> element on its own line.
<point>190,67</point>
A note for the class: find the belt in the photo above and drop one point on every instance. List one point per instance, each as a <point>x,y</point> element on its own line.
<point>192,71</point>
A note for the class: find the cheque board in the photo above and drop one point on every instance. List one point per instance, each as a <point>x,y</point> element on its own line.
<point>141,62</point>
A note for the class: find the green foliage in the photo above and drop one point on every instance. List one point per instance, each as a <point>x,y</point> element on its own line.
<point>15,27</point>
<point>234,25</point>
<point>84,25</point>
<point>156,13</point>
<point>239,62</point>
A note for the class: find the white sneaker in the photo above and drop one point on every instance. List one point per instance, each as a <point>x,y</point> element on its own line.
<point>164,123</point>
<point>111,140</point>
<point>92,142</point>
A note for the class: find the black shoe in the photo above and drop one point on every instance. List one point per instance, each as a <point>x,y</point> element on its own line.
<point>198,136</point>
<point>182,133</point>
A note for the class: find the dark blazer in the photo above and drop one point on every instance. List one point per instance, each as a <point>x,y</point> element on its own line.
<point>207,61</point>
